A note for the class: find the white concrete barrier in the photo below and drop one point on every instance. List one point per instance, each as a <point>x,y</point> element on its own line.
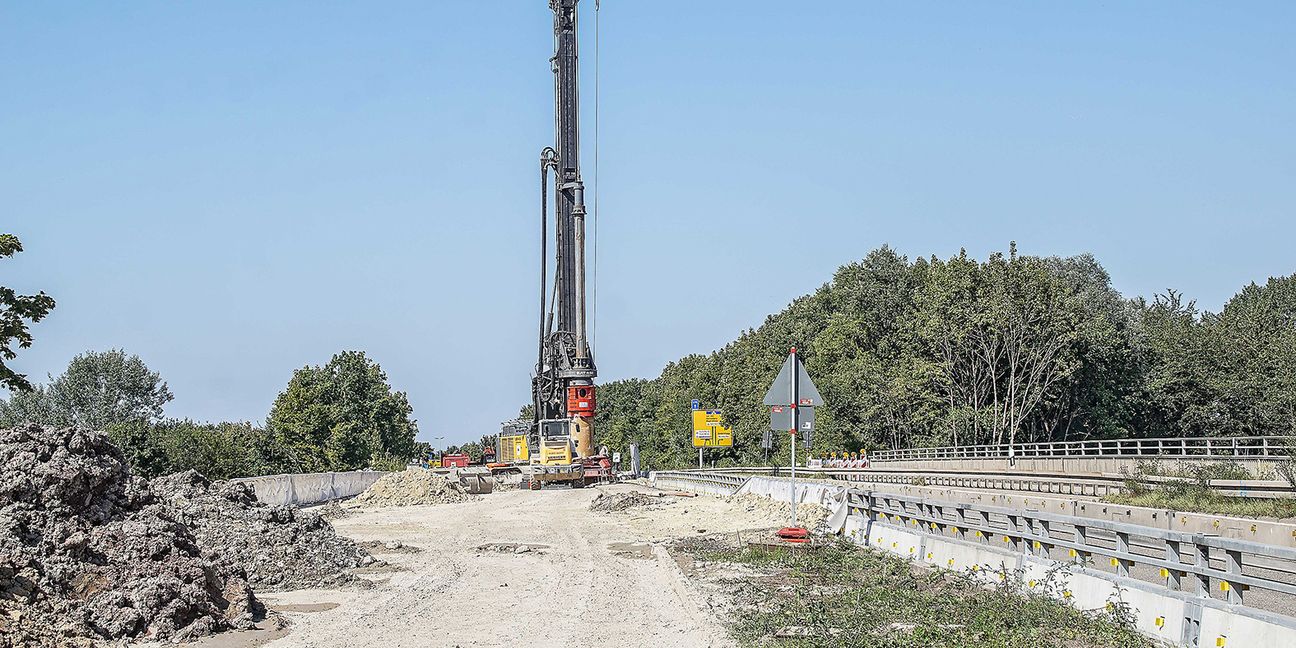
<point>1177,618</point>
<point>310,488</point>
<point>807,492</point>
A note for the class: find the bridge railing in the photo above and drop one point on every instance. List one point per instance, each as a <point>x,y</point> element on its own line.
<point>1254,447</point>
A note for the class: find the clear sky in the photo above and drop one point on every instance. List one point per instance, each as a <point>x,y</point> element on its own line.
<point>234,190</point>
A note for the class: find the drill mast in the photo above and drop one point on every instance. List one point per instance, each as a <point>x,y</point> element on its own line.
<point>563,387</point>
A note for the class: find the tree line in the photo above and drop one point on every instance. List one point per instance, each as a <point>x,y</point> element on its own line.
<point>342,415</point>
<point>1012,349</point>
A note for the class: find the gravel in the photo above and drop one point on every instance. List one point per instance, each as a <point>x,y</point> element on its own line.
<point>611,502</point>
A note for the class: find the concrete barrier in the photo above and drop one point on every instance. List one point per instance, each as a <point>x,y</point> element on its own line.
<point>807,492</point>
<point>310,488</point>
<point>1176,618</point>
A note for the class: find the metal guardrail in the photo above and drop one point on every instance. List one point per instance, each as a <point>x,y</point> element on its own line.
<point>1186,561</point>
<point>1080,484</point>
<point>727,483</point>
<point>1255,447</point>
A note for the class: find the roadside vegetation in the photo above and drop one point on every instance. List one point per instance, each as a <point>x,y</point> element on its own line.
<point>960,351</point>
<point>340,416</point>
<point>1189,490</point>
<point>843,595</point>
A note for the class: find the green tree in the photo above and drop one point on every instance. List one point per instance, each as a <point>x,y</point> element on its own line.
<point>16,313</point>
<point>217,450</point>
<point>343,416</point>
<point>143,447</point>
<point>98,390</point>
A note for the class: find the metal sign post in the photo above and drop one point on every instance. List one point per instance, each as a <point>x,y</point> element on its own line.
<point>792,433</point>
<point>792,399</point>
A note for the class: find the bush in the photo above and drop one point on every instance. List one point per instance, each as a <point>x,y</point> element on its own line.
<point>216,450</point>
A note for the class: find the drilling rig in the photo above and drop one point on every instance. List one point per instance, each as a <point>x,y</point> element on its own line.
<point>561,430</point>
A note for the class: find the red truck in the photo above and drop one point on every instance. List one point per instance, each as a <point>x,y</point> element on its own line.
<point>454,460</point>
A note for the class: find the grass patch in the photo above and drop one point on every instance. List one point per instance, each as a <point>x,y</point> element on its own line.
<point>1191,499</point>
<point>1189,491</point>
<point>843,595</point>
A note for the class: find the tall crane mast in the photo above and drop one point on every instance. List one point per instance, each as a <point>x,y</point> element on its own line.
<point>563,387</point>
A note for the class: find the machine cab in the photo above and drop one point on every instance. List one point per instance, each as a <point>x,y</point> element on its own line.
<point>555,443</point>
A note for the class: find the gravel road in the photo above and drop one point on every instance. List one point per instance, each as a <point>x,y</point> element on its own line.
<point>584,578</point>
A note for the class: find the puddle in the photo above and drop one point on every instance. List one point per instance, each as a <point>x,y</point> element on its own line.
<point>267,630</point>
<point>304,607</point>
<point>638,550</point>
<point>513,547</point>
<point>380,547</point>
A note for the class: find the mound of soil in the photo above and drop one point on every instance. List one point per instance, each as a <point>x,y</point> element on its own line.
<point>279,547</point>
<point>88,552</point>
<point>610,502</point>
<point>412,487</point>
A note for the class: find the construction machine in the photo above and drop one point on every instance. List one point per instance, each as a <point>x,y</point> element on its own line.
<point>560,434</point>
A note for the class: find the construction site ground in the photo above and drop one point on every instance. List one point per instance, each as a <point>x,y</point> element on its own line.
<point>516,568</point>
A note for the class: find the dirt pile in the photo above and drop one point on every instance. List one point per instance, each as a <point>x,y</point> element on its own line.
<point>412,487</point>
<point>87,551</point>
<point>808,515</point>
<point>611,502</point>
<point>280,547</point>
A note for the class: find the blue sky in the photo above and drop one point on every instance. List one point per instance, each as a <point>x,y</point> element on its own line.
<point>234,190</point>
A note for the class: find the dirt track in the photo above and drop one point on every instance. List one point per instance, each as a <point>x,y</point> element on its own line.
<point>586,577</point>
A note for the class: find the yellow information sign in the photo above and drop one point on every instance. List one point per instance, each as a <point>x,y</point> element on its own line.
<point>708,432</point>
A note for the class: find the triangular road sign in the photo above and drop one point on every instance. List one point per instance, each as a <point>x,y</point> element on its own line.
<point>780,393</point>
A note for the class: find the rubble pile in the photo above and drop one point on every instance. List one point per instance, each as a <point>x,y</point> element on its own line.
<point>610,502</point>
<point>412,487</point>
<point>88,552</point>
<point>280,547</point>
